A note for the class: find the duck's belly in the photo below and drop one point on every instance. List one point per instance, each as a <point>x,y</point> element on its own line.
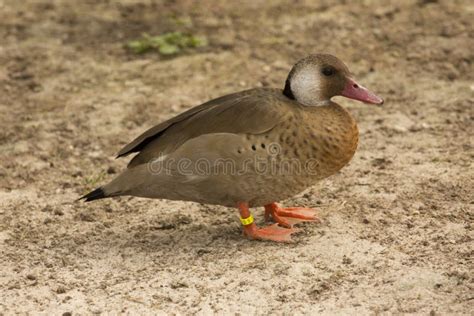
<point>301,156</point>
<point>265,168</point>
<point>277,172</point>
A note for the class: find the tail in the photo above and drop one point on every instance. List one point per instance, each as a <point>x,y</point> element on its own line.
<point>94,195</point>
<point>121,185</point>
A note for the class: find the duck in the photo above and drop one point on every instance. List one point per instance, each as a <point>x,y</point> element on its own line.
<point>249,149</point>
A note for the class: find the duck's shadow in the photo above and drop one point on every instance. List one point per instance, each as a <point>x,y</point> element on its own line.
<point>214,230</point>
<point>197,238</point>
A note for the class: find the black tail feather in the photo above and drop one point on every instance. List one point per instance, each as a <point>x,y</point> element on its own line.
<point>94,195</point>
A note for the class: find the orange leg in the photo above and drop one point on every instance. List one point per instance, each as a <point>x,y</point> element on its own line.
<point>287,217</point>
<point>273,232</point>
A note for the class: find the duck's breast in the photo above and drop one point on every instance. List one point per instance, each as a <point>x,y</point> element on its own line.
<point>332,137</point>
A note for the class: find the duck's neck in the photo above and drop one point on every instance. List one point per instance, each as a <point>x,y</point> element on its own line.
<point>318,103</point>
<point>306,98</point>
<point>287,90</point>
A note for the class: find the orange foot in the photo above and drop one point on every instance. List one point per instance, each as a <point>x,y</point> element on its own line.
<point>287,217</point>
<point>273,232</point>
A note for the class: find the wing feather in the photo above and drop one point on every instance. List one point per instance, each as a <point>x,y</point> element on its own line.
<point>249,112</point>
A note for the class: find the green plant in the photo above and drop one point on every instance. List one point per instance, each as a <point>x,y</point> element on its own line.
<point>166,44</point>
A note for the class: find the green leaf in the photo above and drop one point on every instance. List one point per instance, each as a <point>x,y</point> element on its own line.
<point>166,44</point>
<point>138,47</point>
<point>168,49</point>
<point>196,41</point>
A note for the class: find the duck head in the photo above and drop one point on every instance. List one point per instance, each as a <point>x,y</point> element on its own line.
<point>314,80</point>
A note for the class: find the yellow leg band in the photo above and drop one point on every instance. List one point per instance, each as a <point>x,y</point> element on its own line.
<point>247,221</point>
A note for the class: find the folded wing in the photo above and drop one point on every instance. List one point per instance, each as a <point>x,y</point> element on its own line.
<point>249,112</point>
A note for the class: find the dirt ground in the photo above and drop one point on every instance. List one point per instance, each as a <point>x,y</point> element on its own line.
<point>396,235</point>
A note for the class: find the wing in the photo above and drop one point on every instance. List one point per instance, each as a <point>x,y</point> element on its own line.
<point>141,141</point>
<point>252,112</point>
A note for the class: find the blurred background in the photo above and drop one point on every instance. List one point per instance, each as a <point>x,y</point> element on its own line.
<point>80,79</point>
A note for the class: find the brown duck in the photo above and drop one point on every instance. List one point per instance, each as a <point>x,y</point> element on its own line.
<point>251,148</point>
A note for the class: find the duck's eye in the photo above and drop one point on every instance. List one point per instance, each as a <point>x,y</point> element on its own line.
<point>328,71</point>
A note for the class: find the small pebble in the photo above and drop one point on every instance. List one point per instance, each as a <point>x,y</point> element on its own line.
<point>61,290</point>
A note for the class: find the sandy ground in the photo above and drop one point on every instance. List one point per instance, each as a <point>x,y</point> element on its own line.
<point>396,235</point>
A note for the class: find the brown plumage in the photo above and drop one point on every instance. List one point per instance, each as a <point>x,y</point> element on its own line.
<point>251,148</point>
